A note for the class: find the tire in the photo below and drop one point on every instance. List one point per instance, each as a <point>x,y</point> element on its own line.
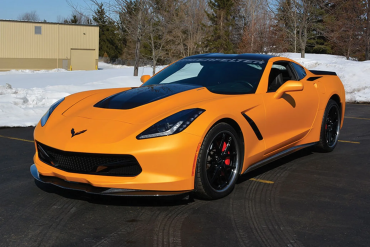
<point>330,128</point>
<point>218,163</point>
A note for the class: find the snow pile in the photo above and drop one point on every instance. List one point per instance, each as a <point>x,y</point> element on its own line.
<point>354,75</point>
<point>26,95</point>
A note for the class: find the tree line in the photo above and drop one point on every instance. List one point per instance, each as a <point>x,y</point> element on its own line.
<point>163,31</point>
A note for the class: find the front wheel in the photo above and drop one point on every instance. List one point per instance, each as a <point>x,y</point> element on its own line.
<point>218,163</point>
<point>330,128</point>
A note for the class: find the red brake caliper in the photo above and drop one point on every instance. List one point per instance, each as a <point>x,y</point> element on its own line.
<point>227,160</point>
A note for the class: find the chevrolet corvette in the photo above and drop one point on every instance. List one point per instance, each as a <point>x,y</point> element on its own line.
<point>194,127</point>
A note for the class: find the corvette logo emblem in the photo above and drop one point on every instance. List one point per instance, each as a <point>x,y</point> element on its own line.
<point>77,133</point>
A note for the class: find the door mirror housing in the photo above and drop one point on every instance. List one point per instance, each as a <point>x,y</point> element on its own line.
<point>145,78</point>
<point>289,86</point>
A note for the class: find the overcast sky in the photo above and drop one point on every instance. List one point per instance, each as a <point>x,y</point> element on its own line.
<point>46,9</point>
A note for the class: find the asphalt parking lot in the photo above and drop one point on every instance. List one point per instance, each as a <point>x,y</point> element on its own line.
<point>305,199</point>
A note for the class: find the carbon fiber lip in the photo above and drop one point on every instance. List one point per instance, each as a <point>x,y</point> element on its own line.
<point>87,188</point>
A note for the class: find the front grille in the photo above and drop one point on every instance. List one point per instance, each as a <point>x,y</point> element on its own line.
<point>87,163</point>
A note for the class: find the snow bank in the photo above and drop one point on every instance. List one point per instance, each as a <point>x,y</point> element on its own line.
<point>26,95</point>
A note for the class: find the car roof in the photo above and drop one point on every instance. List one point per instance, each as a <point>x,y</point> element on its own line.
<point>250,56</point>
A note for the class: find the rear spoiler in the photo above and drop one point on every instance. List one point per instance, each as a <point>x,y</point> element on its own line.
<point>319,72</point>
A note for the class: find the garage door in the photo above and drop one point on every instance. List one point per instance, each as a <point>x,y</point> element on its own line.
<point>83,59</point>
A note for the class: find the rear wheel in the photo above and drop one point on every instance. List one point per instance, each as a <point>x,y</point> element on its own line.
<point>330,128</point>
<point>218,163</point>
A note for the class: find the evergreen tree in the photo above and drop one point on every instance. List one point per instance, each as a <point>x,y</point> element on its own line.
<point>110,39</point>
<point>317,42</point>
<point>221,26</point>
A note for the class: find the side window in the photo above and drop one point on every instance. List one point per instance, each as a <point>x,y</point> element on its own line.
<point>300,71</point>
<point>280,73</point>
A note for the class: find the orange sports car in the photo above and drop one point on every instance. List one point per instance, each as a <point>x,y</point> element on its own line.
<point>193,127</point>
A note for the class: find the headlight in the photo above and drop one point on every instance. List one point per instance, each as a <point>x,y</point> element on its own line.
<point>172,124</point>
<point>46,116</point>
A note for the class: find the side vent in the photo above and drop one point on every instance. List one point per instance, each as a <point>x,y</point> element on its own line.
<point>320,72</point>
<point>314,78</point>
<point>253,126</point>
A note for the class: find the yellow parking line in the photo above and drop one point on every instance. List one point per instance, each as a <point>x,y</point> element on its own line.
<point>358,118</point>
<point>261,181</point>
<point>349,142</point>
<point>18,139</point>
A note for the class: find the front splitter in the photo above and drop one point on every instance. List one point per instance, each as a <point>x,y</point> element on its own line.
<point>87,188</point>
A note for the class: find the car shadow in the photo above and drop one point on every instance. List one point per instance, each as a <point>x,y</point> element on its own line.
<point>275,164</point>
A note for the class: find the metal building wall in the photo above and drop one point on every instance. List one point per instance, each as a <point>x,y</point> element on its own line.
<point>18,40</point>
<point>77,37</point>
<point>21,48</point>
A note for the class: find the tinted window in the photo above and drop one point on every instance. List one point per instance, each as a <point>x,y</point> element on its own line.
<point>300,71</point>
<point>218,75</point>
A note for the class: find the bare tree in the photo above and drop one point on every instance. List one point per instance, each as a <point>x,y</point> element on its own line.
<point>186,29</point>
<point>252,10</point>
<point>304,7</point>
<point>193,24</point>
<point>286,15</point>
<point>29,16</point>
<point>247,21</point>
<point>133,18</point>
<point>258,26</point>
<point>159,18</point>
<point>345,29</point>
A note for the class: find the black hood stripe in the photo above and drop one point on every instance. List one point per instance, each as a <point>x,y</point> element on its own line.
<point>143,95</point>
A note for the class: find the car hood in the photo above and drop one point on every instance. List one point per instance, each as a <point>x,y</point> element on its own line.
<point>140,105</point>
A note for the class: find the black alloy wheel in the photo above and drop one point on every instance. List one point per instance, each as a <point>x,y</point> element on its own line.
<point>330,128</point>
<point>218,163</point>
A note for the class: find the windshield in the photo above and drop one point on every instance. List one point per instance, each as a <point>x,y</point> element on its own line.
<point>218,75</point>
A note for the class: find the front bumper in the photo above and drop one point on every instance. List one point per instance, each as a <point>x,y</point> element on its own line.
<point>87,188</point>
<point>166,162</point>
